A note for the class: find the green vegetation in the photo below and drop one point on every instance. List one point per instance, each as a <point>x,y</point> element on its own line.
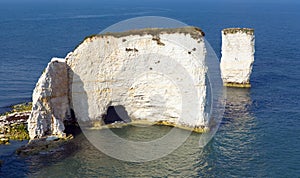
<point>15,131</point>
<point>16,127</point>
<point>248,31</point>
<point>19,108</point>
<point>86,38</point>
<point>22,107</point>
<point>195,33</point>
<point>18,132</point>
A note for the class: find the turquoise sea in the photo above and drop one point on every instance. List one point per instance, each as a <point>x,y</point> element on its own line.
<point>260,132</point>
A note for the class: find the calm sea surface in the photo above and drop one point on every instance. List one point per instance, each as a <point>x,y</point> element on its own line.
<point>260,132</point>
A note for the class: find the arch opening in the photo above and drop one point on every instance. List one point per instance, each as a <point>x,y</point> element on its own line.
<point>116,114</point>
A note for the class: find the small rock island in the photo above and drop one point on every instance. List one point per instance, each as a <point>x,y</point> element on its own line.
<point>237,56</point>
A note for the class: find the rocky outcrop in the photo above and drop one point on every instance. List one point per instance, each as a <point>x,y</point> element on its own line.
<point>13,118</point>
<point>237,56</point>
<point>13,124</point>
<point>155,75</point>
<point>44,146</point>
<point>50,102</point>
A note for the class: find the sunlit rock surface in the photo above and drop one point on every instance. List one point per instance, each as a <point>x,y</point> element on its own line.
<point>50,104</point>
<point>151,73</point>
<point>237,56</point>
<point>140,71</point>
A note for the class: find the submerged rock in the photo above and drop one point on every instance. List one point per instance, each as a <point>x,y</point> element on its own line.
<point>42,146</point>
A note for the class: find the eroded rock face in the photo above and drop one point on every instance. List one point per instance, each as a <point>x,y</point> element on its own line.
<point>155,74</point>
<point>237,56</point>
<point>50,104</point>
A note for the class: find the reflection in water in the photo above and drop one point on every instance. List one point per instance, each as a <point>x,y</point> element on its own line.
<point>234,144</point>
<point>238,103</point>
<point>231,153</point>
<point>90,162</point>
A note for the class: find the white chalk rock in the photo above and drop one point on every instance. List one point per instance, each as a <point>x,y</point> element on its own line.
<point>153,73</point>
<point>237,56</point>
<point>50,103</point>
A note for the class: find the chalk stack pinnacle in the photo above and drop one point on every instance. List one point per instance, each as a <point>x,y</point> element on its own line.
<point>237,56</point>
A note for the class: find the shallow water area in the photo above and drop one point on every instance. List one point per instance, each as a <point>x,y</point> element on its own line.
<point>258,136</point>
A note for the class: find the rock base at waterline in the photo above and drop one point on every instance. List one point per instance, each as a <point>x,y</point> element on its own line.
<point>237,56</point>
<point>43,145</point>
<point>13,124</point>
<point>238,85</point>
<point>99,125</point>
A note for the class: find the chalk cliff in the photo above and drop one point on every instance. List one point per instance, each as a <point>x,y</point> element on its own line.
<point>50,103</point>
<point>156,75</point>
<point>237,56</point>
<point>137,70</point>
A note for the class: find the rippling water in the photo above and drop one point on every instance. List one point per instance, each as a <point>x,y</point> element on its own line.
<point>259,135</point>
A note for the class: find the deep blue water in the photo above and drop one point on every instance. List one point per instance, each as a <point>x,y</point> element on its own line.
<point>259,135</point>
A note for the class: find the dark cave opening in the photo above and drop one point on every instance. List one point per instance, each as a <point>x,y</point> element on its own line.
<point>116,114</point>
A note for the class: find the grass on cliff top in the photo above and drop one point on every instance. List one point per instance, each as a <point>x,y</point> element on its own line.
<point>19,108</point>
<point>249,31</point>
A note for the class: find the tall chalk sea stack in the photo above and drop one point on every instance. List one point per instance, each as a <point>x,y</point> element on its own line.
<point>237,56</point>
<point>131,71</point>
<point>50,101</point>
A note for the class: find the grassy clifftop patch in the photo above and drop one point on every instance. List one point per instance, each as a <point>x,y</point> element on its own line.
<point>249,31</point>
